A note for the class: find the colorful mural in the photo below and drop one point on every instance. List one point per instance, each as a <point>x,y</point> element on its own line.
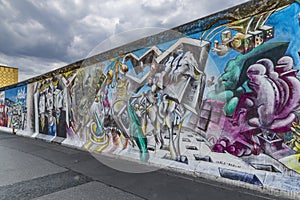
<point>223,101</point>
<point>50,106</point>
<point>15,107</point>
<point>3,116</point>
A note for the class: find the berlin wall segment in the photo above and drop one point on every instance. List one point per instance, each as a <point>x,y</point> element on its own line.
<point>221,100</point>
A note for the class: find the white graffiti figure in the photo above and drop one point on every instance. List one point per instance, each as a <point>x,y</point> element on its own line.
<point>172,114</point>
<point>184,64</point>
<point>148,110</point>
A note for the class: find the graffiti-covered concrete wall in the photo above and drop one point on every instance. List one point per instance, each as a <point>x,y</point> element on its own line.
<point>13,109</point>
<point>222,100</point>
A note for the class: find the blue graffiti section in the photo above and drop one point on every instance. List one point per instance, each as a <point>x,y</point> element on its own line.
<point>228,94</point>
<point>15,107</point>
<point>221,101</point>
<point>240,176</point>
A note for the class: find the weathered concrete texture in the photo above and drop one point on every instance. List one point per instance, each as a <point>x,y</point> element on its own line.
<point>91,190</point>
<point>80,180</point>
<point>43,185</point>
<point>19,166</point>
<point>163,185</point>
<point>7,136</point>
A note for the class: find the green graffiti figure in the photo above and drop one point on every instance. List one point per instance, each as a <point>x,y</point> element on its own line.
<point>99,129</point>
<point>137,133</point>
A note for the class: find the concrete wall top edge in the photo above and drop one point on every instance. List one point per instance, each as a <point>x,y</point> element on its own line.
<point>238,12</point>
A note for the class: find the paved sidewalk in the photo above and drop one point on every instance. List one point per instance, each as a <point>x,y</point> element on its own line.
<point>35,169</point>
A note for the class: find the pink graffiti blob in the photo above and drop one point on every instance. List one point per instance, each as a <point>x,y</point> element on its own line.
<point>106,103</point>
<point>278,94</point>
<point>269,109</point>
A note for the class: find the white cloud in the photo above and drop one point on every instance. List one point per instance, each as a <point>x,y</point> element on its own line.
<point>160,4</point>
<point>30,66</point>
<point>52,33</point>
<point>95,21</point>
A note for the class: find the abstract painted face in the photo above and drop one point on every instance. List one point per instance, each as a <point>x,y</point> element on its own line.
<point>229,79</point>
<point>256,73</point>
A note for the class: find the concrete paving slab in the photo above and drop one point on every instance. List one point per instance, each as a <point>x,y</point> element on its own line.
<point>158,184</point>
<point>53,146</point>
<point>31,145</point>
<point>6,136</point>
<point>91,190</point>
<point>16,166</point>
<point>41,186</point>
<point>21,144</point>
<point>43,160</point>
<point>60,158</point>
<point>124,164</point>
<point>60,148</point>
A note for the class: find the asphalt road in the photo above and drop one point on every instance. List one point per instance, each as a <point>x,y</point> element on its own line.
<point>35,169</point>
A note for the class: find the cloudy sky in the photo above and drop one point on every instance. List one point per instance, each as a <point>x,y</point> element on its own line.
<point>39,36</point>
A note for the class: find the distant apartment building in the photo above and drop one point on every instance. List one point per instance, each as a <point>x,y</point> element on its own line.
<point>8,75</point>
